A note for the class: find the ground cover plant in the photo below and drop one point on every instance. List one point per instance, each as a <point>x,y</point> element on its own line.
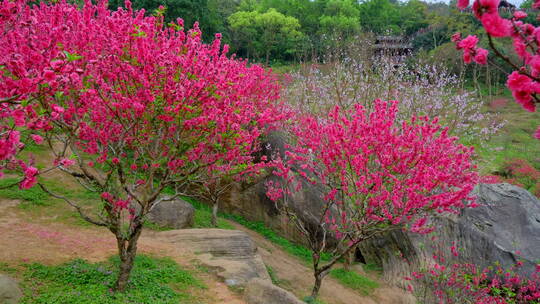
<point>154,280</point>
<point>354,280</point>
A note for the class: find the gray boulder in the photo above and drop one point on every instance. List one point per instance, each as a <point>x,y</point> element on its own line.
<point>263,292</point>
<point>505,228</point>
<point>231,252</point>
<point>10,293</point>
<point>176,214</point>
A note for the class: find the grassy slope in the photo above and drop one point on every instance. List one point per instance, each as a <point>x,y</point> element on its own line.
<point>515,140</point>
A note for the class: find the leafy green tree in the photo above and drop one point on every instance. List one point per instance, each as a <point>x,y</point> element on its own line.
<point>380,16</point>
<point>277,30</point>
<point>341,18</point>
<point>266,33</point>
<point>243,31</point>
<point>413,16</point>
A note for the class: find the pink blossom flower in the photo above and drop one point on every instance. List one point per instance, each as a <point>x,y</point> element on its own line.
<point>517,81</point>
<point>468,43</point>
<point>49,76</point>
<point>481,56</point>
<point>520,14</point>
<point>66,162</point>
<point>30,179</point>
<point>462,4</point>
<point>36,138</point>
<point>495,25</point>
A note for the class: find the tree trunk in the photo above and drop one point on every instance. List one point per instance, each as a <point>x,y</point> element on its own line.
<point>214,213</point>
<point>267,56</point>
<point>127,257</point>
<point>348,260</point>
<point>319,276</point>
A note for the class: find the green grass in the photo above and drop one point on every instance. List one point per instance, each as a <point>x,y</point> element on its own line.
<point>515,140</point>
<point>30,197</point>
<point>372,267</point>
<point>203,216</point>
<point>354,281</point>
<point>273,275</point>
<point>310,300</point>
<point>35,196</point>
<point>153,280</point>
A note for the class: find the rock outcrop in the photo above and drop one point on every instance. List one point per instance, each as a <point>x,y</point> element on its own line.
<point>176,214</point>
<point>505,228</point>
<point>259,291</point>
<point>231,252</point>
<point>10,293</point>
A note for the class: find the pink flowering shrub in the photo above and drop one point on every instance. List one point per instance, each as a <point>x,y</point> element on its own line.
<point>128,105</point>
<point>377,174</point>
<point>524,80</point>
<point>466,283</point>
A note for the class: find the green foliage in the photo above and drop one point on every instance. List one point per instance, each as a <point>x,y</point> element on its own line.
<point>153,280</point>
<point>207,12</point>
<point>203,215</point>
<point>354,280</point>
<point>264,33</point>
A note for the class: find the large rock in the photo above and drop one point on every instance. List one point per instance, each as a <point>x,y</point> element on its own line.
<point>10,293</point>
<point>231,252</point>
<point>264,292</point>
<point>176,214</point>
<point>250,201</point>
<point>505,228</point>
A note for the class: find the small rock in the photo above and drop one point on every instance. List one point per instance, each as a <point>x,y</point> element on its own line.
<point>260,291</point>
<point>10,293</point>
<point>176,214</point>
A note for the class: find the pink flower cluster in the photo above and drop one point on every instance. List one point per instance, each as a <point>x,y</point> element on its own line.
<point>470,49</point>
<point>524,80</point>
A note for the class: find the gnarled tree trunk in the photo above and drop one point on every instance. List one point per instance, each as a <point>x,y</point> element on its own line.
<point>127,250</point>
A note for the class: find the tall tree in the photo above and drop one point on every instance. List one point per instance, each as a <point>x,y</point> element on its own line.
<point>377,174</point>
<point>128,106</point>
<point>266,33</point>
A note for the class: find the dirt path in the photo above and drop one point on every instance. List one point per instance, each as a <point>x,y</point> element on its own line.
<point>25,241</point>
<point>300,278</point>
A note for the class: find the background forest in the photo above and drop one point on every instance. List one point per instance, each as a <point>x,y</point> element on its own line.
<point>284,32</point>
